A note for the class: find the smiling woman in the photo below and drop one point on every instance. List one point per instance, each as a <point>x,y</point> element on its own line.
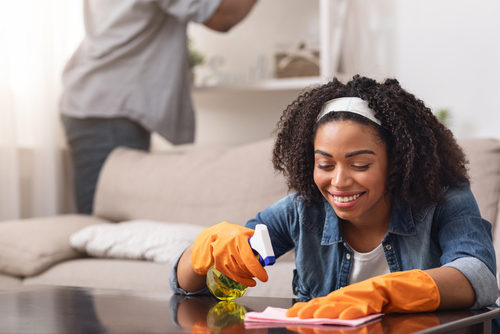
<point>360,156</point>
<point>382,218</point>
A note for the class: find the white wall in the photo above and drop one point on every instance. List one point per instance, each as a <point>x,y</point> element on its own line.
<point>447,52</point>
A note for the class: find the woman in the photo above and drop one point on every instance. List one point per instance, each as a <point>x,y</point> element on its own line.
<point>382,209</point>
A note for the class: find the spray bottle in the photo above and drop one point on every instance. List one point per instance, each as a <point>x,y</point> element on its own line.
<point>226,288</point>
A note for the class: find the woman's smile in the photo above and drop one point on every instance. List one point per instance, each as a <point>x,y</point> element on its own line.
<point>346,200</point>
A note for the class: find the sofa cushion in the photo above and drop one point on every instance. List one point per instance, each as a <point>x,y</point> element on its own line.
<point>146,276</point>
<point>201,187</point>
<point>484,168</point>
<point>136,240</point>
<point>7,281</point>
<point>107,273</point>
<point>30,246</point>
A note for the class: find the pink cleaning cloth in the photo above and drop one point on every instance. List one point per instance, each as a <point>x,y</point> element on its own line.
<point>275,315</point>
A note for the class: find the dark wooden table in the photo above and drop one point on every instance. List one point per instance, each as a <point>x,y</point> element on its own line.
<point>49,309</point>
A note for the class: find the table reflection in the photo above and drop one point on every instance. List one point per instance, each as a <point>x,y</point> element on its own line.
<point>205,314</point>
<point>46,309</point>
<point>226,314</point>
<point>394,323</point>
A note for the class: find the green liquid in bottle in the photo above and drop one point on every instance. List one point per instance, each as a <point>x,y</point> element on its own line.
<point>223,287</point>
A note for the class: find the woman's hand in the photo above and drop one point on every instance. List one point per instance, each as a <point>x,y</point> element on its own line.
<point>226,246</point>
<point>405,291</point>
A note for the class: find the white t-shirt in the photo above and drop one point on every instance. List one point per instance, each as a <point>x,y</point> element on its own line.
<point>368,265</point>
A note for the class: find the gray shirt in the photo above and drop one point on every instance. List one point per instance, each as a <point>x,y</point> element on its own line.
<point>133,63</point>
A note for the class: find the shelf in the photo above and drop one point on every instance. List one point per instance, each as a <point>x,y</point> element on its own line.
<point>268,85</point>
<point>239,69</point>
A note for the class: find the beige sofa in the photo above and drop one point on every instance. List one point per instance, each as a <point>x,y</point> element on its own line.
<point>202,187</point>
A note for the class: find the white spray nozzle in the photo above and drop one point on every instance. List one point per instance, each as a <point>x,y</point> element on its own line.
<point>261,243</point>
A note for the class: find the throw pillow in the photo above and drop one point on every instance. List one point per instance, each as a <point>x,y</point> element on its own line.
<point>155,241</point>
<point>30,246</point>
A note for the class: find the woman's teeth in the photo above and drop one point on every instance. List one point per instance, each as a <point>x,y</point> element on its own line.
<point>346,199</point>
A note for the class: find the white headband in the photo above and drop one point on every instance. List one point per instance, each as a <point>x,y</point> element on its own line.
<point>349,104</point>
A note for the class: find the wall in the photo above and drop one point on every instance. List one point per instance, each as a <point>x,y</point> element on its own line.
<point>447,52</point>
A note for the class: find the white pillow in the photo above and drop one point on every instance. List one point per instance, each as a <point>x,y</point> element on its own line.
<point>136,239</point>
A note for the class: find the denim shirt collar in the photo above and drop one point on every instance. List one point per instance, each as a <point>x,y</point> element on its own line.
<point>403,219</point>
<point>331,229</point>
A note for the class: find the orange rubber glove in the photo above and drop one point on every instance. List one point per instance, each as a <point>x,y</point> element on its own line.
<point>404,291</point>
<point>226,246</point>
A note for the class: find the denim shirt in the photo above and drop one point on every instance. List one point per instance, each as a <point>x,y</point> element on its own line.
<point>432,236</point>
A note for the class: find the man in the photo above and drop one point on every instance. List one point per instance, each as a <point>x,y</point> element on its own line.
<point>130,76</point>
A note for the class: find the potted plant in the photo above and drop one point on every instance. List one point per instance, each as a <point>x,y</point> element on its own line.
<point>195,58</point>
<point>444,116</point>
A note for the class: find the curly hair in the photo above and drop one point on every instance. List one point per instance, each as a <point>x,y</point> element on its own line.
<point>423,156</point>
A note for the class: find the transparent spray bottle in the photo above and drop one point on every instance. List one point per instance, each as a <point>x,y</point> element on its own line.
<point>226,288</point>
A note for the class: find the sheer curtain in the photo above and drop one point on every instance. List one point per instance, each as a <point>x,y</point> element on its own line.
<point>36,40</point>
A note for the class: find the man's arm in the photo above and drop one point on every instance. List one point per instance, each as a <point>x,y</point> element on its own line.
<point>229,13</point>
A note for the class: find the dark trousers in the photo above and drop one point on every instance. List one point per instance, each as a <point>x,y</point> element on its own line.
<point>90,141</point>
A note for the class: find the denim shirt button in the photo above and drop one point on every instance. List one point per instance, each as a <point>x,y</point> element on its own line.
<point>388,247</point>
<point>348,256</point>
